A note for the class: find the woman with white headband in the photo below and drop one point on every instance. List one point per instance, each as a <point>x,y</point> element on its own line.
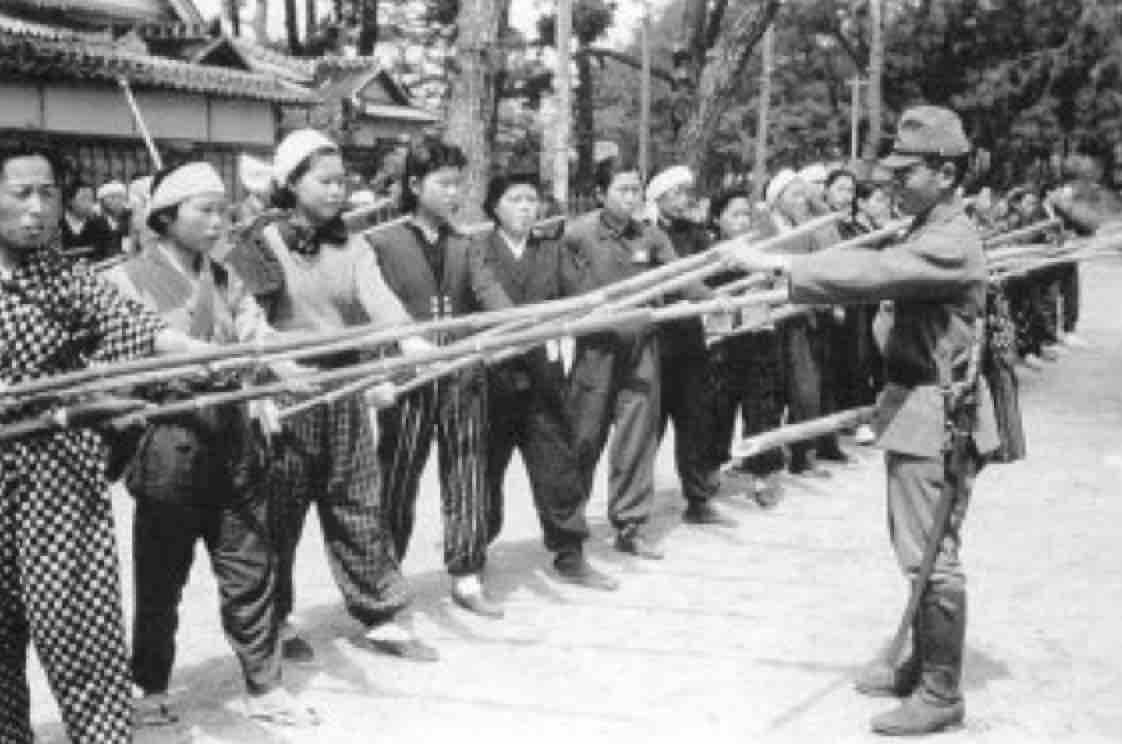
<point>310,275</point>
<point>195,477</point>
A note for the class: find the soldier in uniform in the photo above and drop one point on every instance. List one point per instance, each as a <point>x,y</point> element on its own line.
<point>936,278</point>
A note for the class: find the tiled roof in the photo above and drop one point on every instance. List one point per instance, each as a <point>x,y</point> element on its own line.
<point>111,11</point>
<point>29,53</point>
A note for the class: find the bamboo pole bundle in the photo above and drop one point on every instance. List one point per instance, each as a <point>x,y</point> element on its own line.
<point>156,369</point>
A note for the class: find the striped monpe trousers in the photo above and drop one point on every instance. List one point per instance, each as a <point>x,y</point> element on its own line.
<point>455,410</point>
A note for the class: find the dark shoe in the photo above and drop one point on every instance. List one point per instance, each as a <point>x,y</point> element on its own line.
<point>881,679</point>
<point>703,512</point>
<point>467,592</point>
<point>917,716</point>
<point>630,541</point>
<point>298,651</point>
<point>832,451</point>
<point>572,567</point>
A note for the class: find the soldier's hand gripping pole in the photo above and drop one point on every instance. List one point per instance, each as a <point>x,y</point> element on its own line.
<point>960,405</point>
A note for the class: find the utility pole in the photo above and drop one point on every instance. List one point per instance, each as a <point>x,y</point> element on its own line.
<point>759,167</point>
<point>645,96</point>
<point>876,73</point>
<point>855,115</point>
<point>564,101</point>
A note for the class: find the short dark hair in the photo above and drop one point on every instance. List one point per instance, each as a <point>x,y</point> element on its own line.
<point>71,188</point>
<point>722,200</point>
<point>609,168</point>
<point>837,173</point>
<point>425,156</point>
<point>282,196</point>
<point>60,169</point>
<point>865,189</point>
<point>501,183</point>
<point>160,220</point>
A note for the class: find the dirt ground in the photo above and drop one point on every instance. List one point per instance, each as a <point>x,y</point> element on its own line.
<point>743,635</point>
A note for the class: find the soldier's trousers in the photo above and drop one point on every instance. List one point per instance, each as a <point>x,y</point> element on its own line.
<point>617,382</point>
<point>454,409</point>
<point>687,392</point>
<point>914,486</point>
<point>526,420</point>
<point>60,590</point>
<point>326,455</point>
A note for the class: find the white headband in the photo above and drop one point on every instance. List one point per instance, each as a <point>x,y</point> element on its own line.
<point>665,181</point>
<point>294,149</point>
<point>186,181</point>
<point>779,183</point>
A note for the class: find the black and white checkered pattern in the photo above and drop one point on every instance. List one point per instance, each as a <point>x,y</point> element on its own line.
<point>59,581</point>
<point>326,455</point>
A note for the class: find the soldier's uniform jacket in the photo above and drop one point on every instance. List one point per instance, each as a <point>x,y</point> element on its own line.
<point>936,279</point>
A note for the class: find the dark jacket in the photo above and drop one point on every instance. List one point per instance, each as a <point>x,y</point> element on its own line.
<point>684,338</point>
<point>409,272</point>
<point>535,277</point>
<point>937,279</point>
<point>95,241</point>
<point>599,250</point>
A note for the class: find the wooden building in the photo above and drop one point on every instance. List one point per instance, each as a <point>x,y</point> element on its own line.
<point>62,80</point>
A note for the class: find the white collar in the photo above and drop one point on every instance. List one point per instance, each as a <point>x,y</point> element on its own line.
<point>517,248</point>
<point>76,224</point>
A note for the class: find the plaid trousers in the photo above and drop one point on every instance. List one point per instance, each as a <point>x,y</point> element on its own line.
<point>455,409</point>
<point>326,455</point>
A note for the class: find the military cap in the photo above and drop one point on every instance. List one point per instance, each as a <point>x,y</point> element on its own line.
<point>926,131</point>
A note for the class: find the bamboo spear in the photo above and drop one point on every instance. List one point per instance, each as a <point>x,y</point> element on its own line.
<point>801,431</point>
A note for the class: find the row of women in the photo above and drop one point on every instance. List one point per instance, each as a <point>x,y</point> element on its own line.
<point>231,478</point>
<point>214,475</point>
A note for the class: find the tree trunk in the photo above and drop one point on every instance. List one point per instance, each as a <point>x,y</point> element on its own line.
<point>584,129</point>
<point>233,15</point>
<point>719,79</point>
<point>367,15</point>
<point>291,27</point>
<point>261,21</point>
<point>471,105</point>
<point>309,18</point>
<point>876,75</point>
<point>759,165</point>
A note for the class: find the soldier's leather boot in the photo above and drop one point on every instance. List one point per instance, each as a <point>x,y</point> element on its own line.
<point>883,678</point>
<point>936,705</point>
